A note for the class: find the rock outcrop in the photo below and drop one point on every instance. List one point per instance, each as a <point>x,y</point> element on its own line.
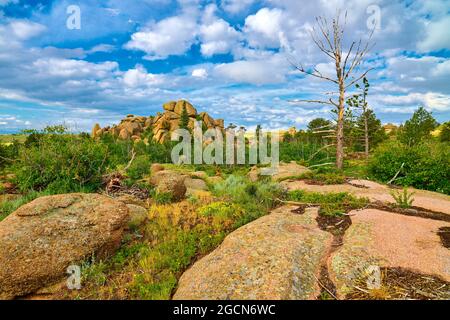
<point>283,171</point>
<point>168,181</point>
<point>385,239</point>
<point>278,256</point>
<point>161,125</point>
<point>41,239</point>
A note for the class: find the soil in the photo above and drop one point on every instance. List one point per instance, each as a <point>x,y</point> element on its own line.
<point>300,209</point>
<point>444,234</point>
<point>412,211</point>
<point>336,225</point>
<point>399,283</point>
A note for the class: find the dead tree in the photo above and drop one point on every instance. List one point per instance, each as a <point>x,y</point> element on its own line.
<point>328,38</point>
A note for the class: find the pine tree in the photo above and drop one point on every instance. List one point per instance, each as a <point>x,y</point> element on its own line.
<point>418,127</point>
<point>184,119</point>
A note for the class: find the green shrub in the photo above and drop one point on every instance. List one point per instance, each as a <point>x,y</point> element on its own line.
<point>331,204</point>
<point>139,167</point>
<point>403,199</point>
<point>425,165</point>
<point>9,206</point>
<point>61,162</point>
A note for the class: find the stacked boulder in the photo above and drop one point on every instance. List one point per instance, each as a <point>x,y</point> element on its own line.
<point>161,125</point>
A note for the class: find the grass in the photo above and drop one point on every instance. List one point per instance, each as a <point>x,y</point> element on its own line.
<point>331,204</point>
<point>150,263</point>
<point>9,206</point>
<point>9,138</point>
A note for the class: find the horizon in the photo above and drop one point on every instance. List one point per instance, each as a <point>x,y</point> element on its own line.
<point>228,58</point>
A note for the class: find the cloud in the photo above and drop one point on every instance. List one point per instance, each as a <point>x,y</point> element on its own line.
<point>216,35</point>
<point>256,72</point>
<point>264,29</point>
<point>139,77</point>
<point>431,100</point>
<point>437,36</point>
<point>200,73</point>
<point>236,6</point>
<point>171,36</point>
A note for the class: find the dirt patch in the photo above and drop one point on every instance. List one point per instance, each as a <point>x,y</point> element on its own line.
<point>400,283</point>
<point>444,234</point>
<point>312,182</point>
<point>413,211</point>
<point>300,209</point>
<point>337,227</point>
<point>356,185</point>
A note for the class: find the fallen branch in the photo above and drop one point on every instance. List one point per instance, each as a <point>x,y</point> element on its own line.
<point>320,165</point>
<point>320,284</point>
<point>295,203</point>
<point>396,175</point>
<point>133,155</point>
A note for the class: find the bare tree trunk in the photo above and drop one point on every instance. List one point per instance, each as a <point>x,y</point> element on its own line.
<point>340,127</point>
<point>328,38</point>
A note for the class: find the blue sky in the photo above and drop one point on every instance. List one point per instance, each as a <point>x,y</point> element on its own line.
<point>228,57</point>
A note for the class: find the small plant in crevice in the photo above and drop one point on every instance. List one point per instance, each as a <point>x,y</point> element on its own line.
<point>404,199</point>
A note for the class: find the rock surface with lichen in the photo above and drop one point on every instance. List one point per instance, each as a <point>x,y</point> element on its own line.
<point>278,257</point>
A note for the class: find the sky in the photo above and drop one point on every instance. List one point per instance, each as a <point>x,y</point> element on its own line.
<point>231,58</point>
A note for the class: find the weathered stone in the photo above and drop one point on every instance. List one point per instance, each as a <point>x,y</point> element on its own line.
<point>133,128</point>
<point>384,239</point>
<point>220,123</point>
<point>41,239</point>
<point>195,184</point>
<point>290,169</point>
<point>95,129</point>
<point>253,174</point>
<point>168,181</point>
<point>170,106</point>
<point>138,215</point>
<point>189,108</point>
<point>124,134</point>
<point>156,167</point>
<point>277,257</point>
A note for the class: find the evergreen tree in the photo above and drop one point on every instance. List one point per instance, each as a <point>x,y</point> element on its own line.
<point>444,136</point>
<point>184,119</point>
<point>418,127</point>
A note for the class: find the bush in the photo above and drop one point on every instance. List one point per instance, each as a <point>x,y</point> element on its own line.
<point>426,165</point>
<point>60,163</point>
<point>331,204</point>
<point>139,167</point>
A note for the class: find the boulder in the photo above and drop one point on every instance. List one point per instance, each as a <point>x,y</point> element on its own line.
<point>124,134</point>
<point>133,128</point>
<point>253,174</point>
<point>209,122</point>
<point>286,170</point>
<point>195,184</point>
<point>192,112</point>
<point>149,122</point>
<point>199,174</point>
<point>385,239</point>
<point>156,167</point>
<point>138,215</point>
<point>277,257</point>
<point>95,129</point>
<point>169,106</point>
<point>41,239</point>
<point>168,181</point>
